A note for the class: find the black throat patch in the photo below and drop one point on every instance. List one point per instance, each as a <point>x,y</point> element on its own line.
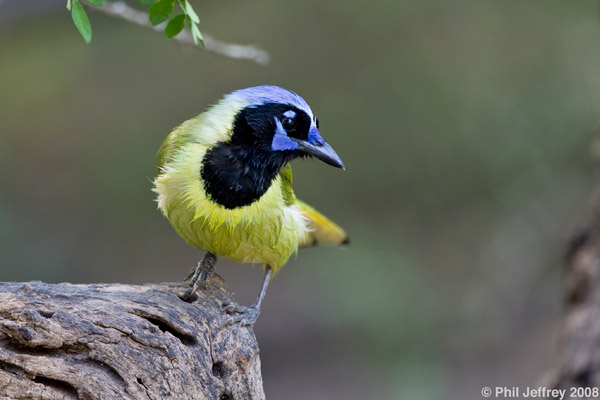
<point>239,172</point>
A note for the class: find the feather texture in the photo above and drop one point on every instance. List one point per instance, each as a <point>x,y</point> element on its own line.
<point>322,230</point>
<point>269,229</point>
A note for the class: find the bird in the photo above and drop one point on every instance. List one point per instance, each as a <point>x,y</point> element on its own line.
<point>224,182</point>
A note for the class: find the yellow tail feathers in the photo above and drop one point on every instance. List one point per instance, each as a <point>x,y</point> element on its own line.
<point>323,230</point>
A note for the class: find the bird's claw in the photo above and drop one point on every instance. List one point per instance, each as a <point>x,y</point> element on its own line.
<point>200,275</point>
<point>244,316</point>
<point>189,295</point>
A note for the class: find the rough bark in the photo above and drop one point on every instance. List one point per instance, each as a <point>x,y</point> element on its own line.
<point>578,364</point>
<point>113,341</point>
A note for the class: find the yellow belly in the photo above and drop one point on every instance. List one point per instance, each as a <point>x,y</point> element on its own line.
<point>270,237</point>
<point>267,231</point>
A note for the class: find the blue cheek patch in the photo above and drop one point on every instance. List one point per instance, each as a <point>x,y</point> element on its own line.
<point>314,137</point>
<point>281,141</point>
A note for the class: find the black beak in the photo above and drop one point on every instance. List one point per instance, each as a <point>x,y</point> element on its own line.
<point>322,151</point>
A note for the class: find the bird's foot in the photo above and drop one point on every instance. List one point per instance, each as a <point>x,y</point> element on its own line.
<point>201,274</point>
<point>245,316</point>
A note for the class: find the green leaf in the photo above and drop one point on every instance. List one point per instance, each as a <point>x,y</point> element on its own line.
<point>99,3</point>
<point>191,13</point>
<point>146,2</point>
<point>160,11</point>
<point>81,21</point>
<point>175,26</point>
<point>196,35</point>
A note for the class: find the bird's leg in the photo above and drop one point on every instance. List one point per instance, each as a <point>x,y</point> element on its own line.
<point>246,316</point>
<point>201,274</point>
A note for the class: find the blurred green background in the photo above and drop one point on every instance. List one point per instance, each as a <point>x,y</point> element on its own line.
<point>466,130</point>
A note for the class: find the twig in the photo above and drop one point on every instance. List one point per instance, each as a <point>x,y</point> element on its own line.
<point>231,50</point>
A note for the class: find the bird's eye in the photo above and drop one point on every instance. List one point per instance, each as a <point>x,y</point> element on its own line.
<point>289,124</point>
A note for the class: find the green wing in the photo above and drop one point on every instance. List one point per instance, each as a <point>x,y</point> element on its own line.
<point>286,185</point>
<point>322,229</point>
<point>176,139</point>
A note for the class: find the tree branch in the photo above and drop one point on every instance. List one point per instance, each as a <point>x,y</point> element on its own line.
<point>114,341</point>
<point>578,361</point>
<point>122,10</point>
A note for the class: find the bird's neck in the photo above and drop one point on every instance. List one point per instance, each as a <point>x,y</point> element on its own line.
<point>236,175</point>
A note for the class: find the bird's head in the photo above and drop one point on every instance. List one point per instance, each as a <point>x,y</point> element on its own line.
<point>278,122</point>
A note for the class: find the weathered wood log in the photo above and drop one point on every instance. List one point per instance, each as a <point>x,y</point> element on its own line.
<point>578,362</point>
<point>114,341</point>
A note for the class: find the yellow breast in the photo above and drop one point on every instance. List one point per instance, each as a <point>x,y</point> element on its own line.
<point>267,231</point>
